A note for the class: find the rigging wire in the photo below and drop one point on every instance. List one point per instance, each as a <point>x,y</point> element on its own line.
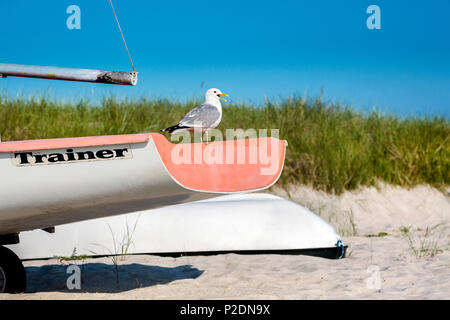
<point>121,33</point>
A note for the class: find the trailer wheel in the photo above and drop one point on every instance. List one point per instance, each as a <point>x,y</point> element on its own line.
<point>12,272</point>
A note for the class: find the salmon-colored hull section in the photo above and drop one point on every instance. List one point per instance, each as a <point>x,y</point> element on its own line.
<point>223,166</point>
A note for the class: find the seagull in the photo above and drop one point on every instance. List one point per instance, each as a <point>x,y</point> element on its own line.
<point>206,116</point>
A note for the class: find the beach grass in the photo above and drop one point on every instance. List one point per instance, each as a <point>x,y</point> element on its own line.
<point>331,147</point>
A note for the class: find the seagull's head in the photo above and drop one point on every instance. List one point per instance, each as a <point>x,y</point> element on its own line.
<point>214,94</point>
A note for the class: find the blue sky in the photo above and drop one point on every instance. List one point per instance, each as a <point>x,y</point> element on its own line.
<point>248,49</point>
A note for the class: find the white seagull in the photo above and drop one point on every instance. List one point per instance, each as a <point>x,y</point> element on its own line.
<point>204,117</point>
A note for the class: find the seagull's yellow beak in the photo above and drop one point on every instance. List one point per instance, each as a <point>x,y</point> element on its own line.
<point>222,94</point>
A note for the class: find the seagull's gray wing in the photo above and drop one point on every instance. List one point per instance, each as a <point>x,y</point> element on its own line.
<point>203,116</point>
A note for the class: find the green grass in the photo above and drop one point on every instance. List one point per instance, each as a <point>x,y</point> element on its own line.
<point>331,147</point>
<point>424,244</point>
<point>379,235</point>
<point>73,257</point>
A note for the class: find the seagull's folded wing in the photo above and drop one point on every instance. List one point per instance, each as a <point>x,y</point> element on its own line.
<point>203,116</point>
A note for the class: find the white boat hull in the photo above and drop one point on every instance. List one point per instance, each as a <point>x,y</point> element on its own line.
<point>232,223</point>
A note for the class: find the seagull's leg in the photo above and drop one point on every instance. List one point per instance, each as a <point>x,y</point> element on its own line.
<point>198,133</point>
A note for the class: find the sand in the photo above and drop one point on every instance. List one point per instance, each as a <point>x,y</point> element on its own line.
<point>398,249</point>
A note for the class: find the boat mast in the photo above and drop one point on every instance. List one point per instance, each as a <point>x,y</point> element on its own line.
<point>71,74</point>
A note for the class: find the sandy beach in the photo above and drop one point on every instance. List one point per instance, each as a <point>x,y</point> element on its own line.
<point>398,249</point>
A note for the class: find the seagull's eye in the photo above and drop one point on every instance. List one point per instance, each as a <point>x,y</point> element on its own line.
<point>215,91</point>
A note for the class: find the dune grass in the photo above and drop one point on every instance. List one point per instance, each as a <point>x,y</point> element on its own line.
<point>331,147</point>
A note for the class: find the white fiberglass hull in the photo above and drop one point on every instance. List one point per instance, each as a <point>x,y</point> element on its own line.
<point>232,223</point>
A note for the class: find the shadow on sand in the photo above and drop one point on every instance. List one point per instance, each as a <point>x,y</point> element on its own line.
<point>101,278</point>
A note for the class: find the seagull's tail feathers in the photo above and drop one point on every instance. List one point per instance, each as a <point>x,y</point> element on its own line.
<point>174,128</point>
